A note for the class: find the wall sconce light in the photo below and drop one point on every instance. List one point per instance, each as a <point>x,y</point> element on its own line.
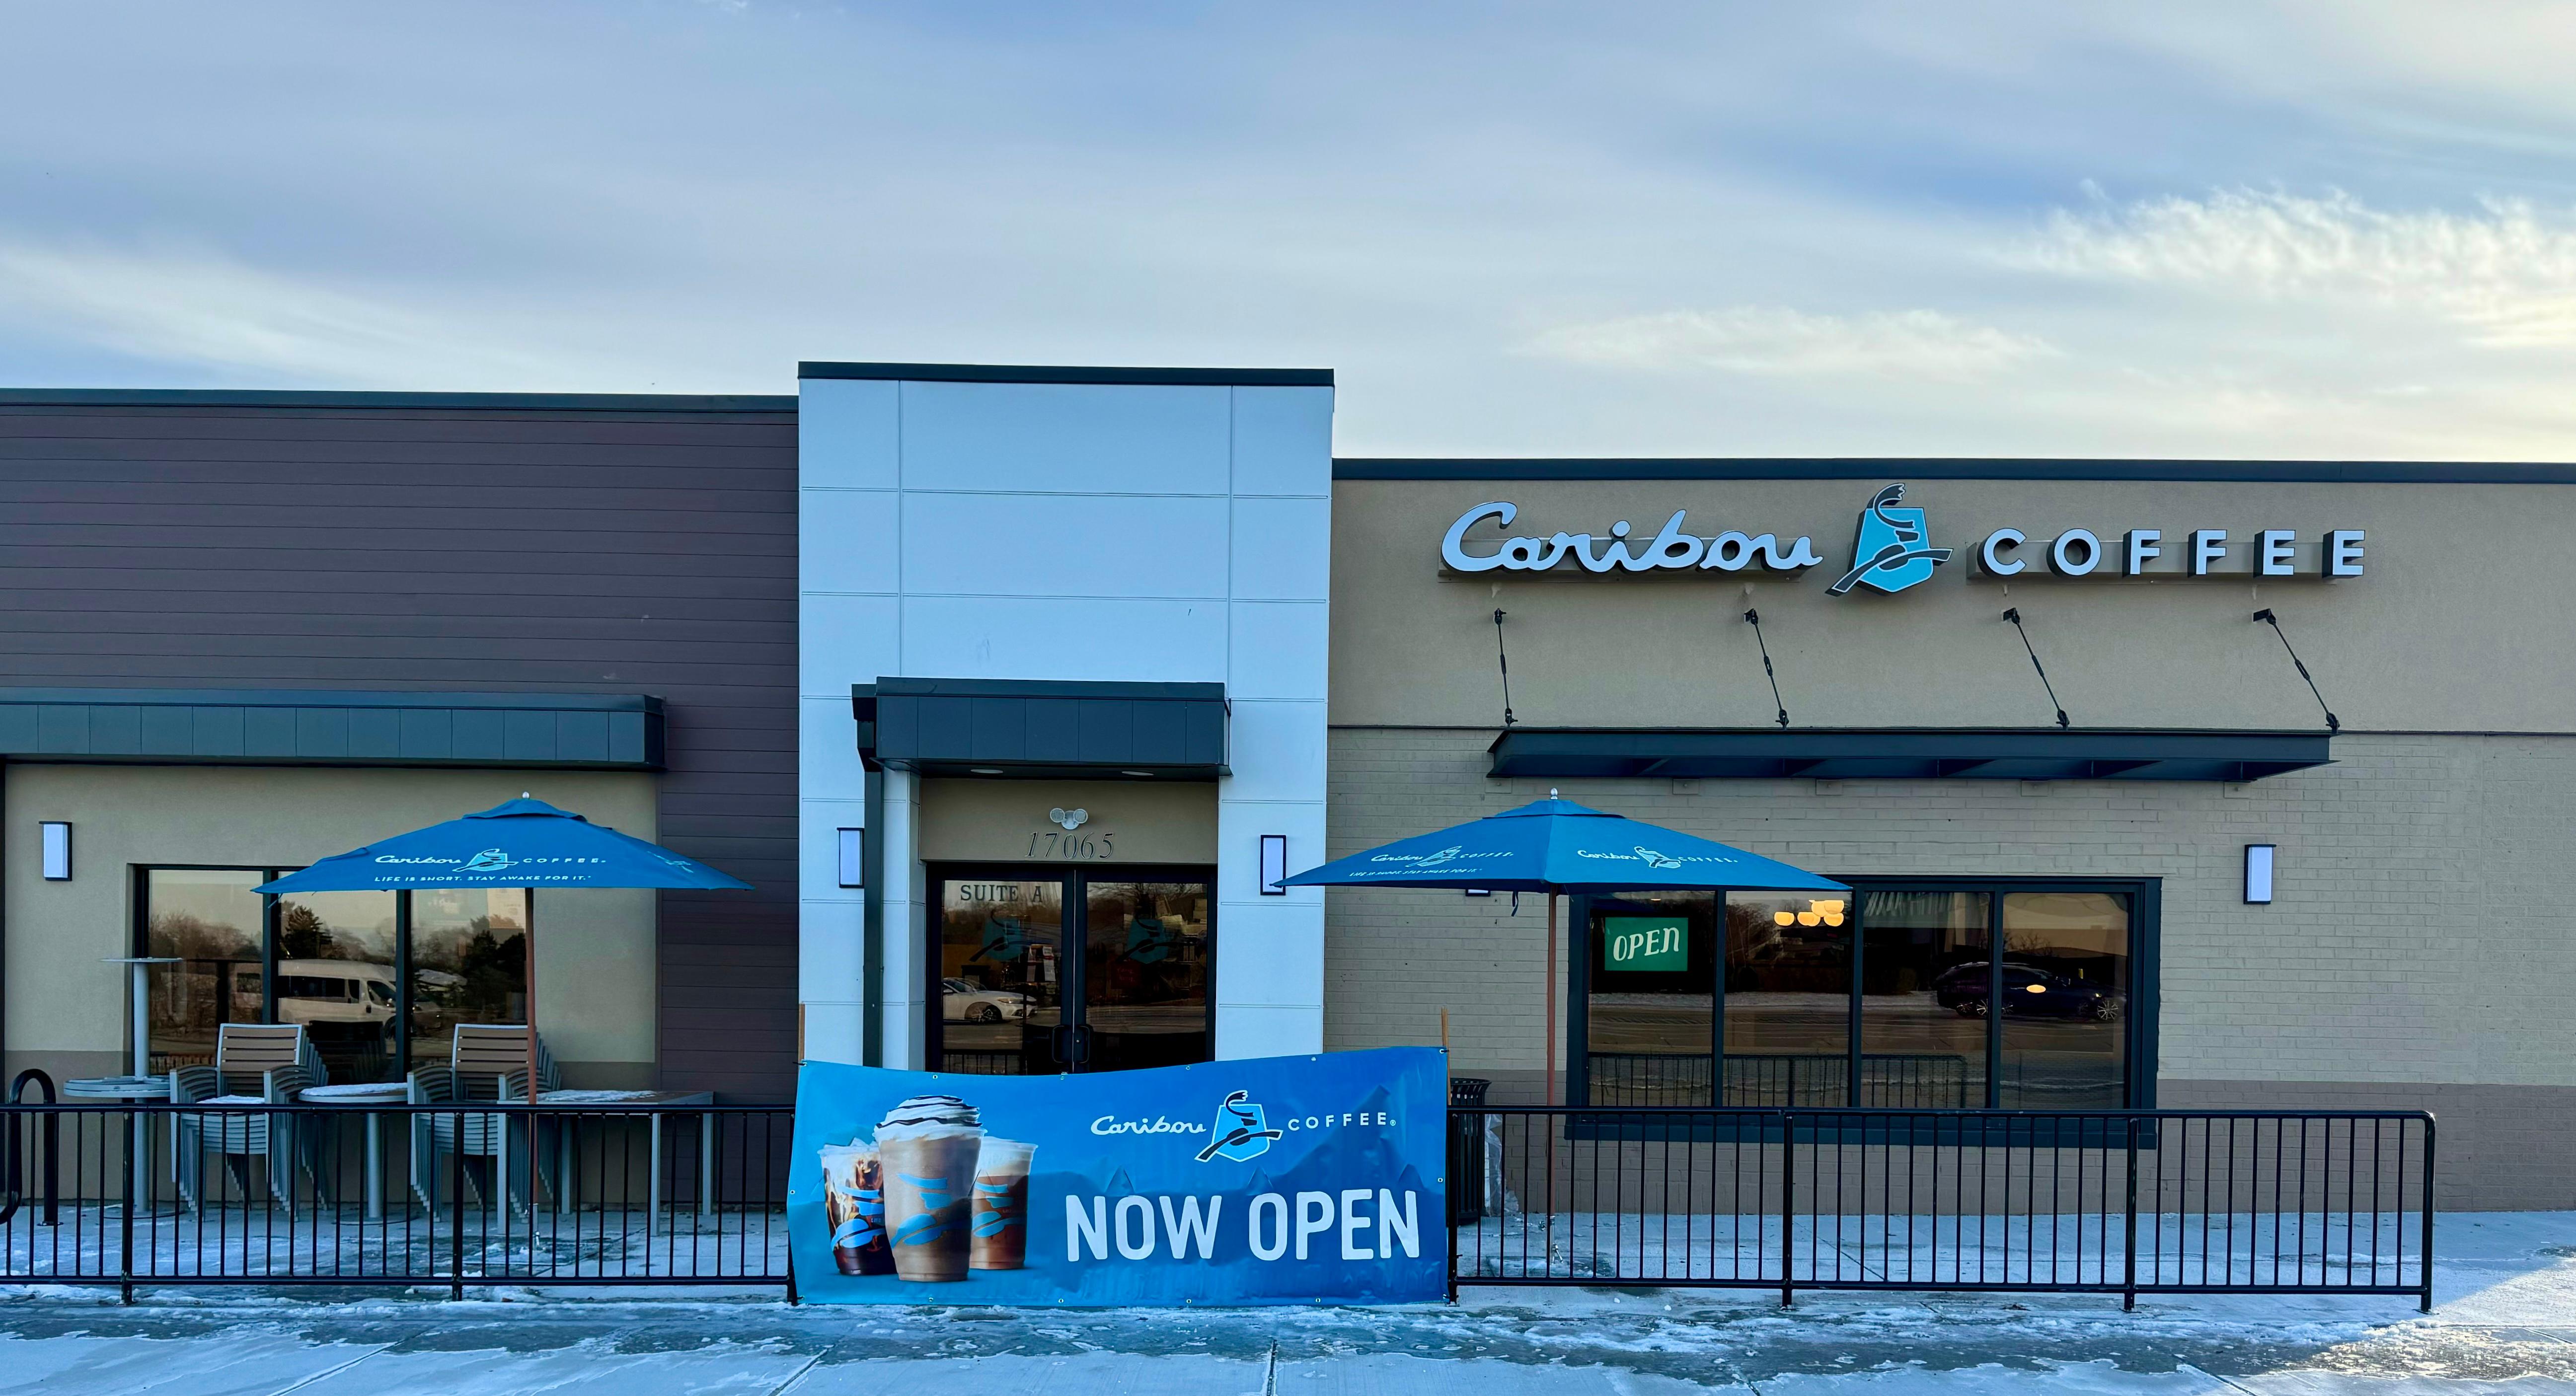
<point>854,867</point>
<point>1480,891</point>
<point>58,850</point>
<point>2258,874</point>
<point>1274,864</point>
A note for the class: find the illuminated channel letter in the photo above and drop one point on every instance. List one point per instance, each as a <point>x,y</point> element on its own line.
<point>2207,546</point>
<point>2142,549</point>
<point>2272,553</point>
<point>1990,553</point>
<point>2062,558</point>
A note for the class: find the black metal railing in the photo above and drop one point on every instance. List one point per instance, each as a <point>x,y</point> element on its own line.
<point>2128,1202</point>
<point>445,1195</point>
<point>2125,1202</point>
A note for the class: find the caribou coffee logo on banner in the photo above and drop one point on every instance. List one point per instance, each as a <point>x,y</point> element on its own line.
<point>1893,550</point>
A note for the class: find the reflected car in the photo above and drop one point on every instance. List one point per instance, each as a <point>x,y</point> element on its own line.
<point>2028,993</point>
<point>964,1001</point>
<point>334,991</point>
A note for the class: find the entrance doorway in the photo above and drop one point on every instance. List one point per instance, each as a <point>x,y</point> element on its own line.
<point>1038,970</point>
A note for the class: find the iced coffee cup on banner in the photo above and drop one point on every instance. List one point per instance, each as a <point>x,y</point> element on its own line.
<point>926,1152</point>
<point>1001,1205</point>
<point>854,1204</point>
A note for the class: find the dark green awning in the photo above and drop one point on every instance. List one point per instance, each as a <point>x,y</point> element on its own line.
<point>1921,753</point>
<point>313,727</point>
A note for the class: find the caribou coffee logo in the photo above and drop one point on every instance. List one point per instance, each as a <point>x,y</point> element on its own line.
<point>1890,553</point>
<point>1241,1132</point>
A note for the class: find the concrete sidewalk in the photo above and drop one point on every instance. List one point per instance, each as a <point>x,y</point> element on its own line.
<point>2505,1322</point>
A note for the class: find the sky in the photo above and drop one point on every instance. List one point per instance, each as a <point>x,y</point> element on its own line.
<point>2329,231</point>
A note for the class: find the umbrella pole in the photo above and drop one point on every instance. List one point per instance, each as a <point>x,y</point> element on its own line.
<point>1551,1000</point>
<point>529,974</point>
<point>529,938</point>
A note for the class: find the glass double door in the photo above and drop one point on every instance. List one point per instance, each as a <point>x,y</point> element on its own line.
<point>1041,970</point>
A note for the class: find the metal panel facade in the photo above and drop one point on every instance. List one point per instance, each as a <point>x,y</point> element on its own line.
<point>488,543</point>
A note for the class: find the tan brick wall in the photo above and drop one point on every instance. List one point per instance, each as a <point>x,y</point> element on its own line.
<point>2419,935</point>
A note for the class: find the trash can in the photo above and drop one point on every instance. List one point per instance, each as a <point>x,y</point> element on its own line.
<point>1467,1151</point>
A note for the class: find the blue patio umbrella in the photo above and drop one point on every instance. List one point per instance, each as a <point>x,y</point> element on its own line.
<point>1557,846</point>
<point>517,843</point>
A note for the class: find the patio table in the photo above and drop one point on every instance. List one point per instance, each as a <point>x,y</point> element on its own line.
<point>366,1093</point>
<point>132,1089</point>
<point>653,1154</point>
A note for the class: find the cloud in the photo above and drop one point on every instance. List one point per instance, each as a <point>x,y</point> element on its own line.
<point>195,307</point>
<point>2505,274</point>
<point>1904,344</point>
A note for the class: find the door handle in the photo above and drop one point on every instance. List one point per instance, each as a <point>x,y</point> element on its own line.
<point>1060,1044</point>
<point>1081,1044</point>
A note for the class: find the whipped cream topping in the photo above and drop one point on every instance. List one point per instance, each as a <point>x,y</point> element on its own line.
<point>929,1117</point>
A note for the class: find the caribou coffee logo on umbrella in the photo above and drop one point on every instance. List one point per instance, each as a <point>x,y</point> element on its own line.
<point>1890,554</point>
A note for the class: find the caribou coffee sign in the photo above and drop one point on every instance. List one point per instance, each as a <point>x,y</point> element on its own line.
<point>1673,548</point>
<point>1893,551</point>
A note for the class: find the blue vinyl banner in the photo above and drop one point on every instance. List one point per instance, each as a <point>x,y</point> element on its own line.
<point>1275,1180</point>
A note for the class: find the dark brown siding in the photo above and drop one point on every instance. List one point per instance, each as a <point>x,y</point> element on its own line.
<point>647,546</point>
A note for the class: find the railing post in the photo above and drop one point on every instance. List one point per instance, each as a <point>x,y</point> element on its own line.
<point>2129,1249</point>
<point>2425,1303</point>
<point>53,1168</point>
<point>125,1251</point>
<point>1788,1199</point>
<point>456,1205</point>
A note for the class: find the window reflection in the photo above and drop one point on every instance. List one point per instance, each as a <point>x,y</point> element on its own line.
<point>1922,1046</point>
<point>469,964</point>
<point>2065,994</point>
<point>336,976</point>
<point>1650,1012</point>
<point>1145,974</point>
<point>1001,980</point>
<point>1788,1000</point>
<point>1923,999</point>
<point>215,925</point>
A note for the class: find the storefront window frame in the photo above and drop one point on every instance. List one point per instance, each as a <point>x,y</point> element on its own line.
<point>1076,879</point>
<point>139,934</point>
<point>2138,1021</point>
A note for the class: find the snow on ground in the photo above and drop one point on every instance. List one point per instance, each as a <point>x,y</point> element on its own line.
<point>2505,1321</point>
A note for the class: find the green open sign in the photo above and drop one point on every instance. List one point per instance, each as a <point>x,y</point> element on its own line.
<point>1645,944</point>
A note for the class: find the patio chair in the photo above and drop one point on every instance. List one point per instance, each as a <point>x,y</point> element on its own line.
<point>255,1064</point>
<point>486,1062</point>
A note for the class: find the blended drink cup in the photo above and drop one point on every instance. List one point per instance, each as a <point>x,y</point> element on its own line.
<point>926,1151</point>
<point>854,1203</point>
<point>1002,1205</point>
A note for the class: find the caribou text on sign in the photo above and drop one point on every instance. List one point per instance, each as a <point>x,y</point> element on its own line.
<point>1672,548</point>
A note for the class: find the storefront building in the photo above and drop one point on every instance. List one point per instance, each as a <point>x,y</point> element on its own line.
<point>1012,689</point>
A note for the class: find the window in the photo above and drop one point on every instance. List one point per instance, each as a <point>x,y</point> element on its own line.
<point>1890,997</point>
<point>351,967</point>
<point>469,963</point>
<point>216,927</point>
<point>1039,970</point>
